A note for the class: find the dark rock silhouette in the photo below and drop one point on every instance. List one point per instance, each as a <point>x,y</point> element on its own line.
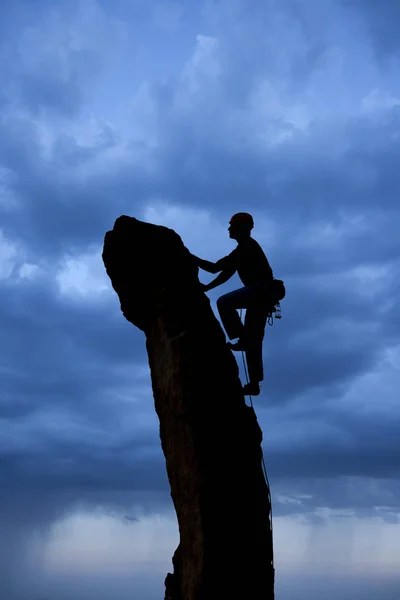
<point>210,438</point>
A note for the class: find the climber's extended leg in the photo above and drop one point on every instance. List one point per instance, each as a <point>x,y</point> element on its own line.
<point>255,321</point>
<point>228,306</point>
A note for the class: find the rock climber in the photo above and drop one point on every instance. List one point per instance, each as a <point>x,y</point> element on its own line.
<point>260,294</point>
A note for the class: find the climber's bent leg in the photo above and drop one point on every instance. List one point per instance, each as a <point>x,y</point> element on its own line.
<point>227,307</point>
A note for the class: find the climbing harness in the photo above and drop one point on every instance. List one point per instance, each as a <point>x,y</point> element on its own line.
<point>270,321</point>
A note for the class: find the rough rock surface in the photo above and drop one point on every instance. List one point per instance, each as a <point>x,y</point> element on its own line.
<point>210,438</point>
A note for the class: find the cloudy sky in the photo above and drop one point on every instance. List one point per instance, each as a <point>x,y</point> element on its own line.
<point>182,113</point>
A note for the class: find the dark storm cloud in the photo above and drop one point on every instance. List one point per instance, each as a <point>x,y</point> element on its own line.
<point>321,349</point>
<point>41,90</point>
<point>59,351</point>
<point>55,213</point>
<point>346,497</point>
<point>49,66</point>
<point>381,19</point>
<point>82,469</point>
<point>300,176</point>
<point>352,447</point>
<point>351,464</point>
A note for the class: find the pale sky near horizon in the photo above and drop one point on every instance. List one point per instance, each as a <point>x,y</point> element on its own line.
<point>182,113</point>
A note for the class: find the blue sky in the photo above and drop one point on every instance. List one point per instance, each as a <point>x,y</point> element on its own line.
<point>182,113</point>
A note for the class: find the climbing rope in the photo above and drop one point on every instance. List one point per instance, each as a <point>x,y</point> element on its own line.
<point>264,468</point>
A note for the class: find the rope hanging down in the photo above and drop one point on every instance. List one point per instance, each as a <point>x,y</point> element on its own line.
<point>270,317</point>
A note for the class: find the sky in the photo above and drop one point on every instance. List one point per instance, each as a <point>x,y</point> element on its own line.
<point>181,113</point>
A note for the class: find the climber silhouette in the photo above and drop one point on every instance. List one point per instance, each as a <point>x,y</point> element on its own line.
<point>260,294</point>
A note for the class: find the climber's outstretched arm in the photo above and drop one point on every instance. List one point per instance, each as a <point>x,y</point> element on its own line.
<point>206,265</point>
<point>220,279</point>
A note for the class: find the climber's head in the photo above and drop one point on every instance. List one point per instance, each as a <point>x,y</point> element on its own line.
<point>240,226</point>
